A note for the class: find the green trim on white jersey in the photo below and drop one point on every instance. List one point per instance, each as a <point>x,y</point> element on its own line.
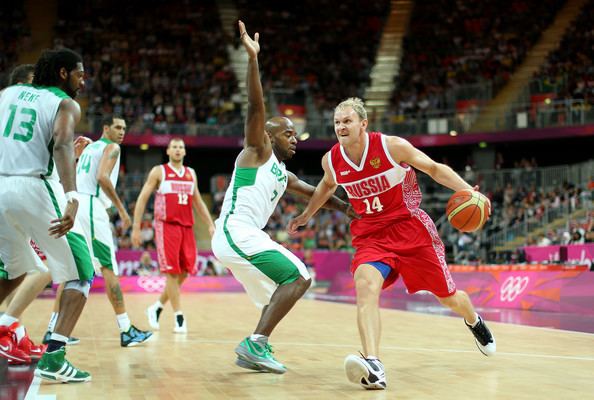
<point>88,168</point>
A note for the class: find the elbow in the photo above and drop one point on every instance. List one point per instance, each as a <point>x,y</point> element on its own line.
<point>436,170</point>
<point>61,146</point>
<point>102,180</point>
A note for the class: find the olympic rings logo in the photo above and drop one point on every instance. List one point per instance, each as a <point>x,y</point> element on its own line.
<point>152,283</point>
<point>512,287</point>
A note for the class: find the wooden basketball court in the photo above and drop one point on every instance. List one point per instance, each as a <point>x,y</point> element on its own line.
<point>426,356</point>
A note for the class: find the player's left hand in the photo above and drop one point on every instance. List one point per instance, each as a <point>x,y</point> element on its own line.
<point>61,226</point>
<point>251,45</point>
<point>79,145</point>
<point>126,220</point>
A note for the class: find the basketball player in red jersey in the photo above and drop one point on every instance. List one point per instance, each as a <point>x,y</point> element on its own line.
<point>394,236</point>
<point>177,194</point>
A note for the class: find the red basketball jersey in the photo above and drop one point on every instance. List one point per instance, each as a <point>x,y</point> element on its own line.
<point>173,200</point>
<point>379,189</point>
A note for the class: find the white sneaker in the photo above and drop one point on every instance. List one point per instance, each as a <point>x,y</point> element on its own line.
<point>368,373</point>
<point>484,339</point>
<point>153,317</point>
<point>183,328</point>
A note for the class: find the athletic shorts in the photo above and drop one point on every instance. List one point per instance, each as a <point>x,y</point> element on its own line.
<point>413,249</point>
<point>37,251</point>
<point>93,215</point>
<point>176,248</point>
<point>40,258</point>
<point>27,205</point>
<point>256,261</point>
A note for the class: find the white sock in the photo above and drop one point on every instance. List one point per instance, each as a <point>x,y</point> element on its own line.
<point>371,358</point>
<point>7,320</point>
<point>59,338</point>
<point>475,322</point>
<point>52,322</point>
<point>123,322</point>
<point>20,332</point>
<point>255,337</point>
<point>158,304</point>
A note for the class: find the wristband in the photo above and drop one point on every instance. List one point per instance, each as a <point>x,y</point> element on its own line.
<point>72,195</point>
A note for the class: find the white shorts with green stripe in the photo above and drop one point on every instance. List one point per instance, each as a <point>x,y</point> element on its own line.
<point>27,205</point>
<point>255,260</point>
<point>92,214</point>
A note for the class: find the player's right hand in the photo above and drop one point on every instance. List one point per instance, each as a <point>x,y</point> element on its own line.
<point>296,222</point>
<point>125,218</point>
<point>135,237</point>
<point>61,226</point>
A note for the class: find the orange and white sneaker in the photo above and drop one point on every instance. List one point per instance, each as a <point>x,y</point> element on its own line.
<point>9,348</point>
<point>27,346</point>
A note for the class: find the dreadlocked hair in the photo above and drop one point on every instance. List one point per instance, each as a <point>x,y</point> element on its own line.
<point>47,69</point>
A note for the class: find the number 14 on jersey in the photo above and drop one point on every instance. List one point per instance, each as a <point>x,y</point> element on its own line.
<point>374,206</point>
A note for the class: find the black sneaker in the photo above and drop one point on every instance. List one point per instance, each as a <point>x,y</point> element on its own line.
<point>368,373</point>
<point>134,337</point>
<point>71,340</point>
<point>484,339</point>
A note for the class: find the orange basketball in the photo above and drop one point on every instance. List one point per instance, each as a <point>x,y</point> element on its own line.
<point>468,210</point>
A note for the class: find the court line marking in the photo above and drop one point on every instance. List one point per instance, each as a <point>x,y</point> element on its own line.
<point>398,348</point>
<point>34,389</point>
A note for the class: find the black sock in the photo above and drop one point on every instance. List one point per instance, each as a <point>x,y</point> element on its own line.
<point>180,319</point>
<point>54,345</point>
<point>159,311</point>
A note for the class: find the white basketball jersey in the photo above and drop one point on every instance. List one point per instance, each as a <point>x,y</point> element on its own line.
<point>88,167</point>
<point>253,193</point>
<point>27,115</point>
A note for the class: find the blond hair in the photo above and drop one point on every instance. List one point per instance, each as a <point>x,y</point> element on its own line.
<point>356,104</point>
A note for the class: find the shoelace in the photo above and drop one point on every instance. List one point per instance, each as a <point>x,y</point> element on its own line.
<point>481,332</point>
<point>372,362</point>
<point>13,335</point>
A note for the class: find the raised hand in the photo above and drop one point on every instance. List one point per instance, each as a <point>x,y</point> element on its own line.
<point>251,45</point>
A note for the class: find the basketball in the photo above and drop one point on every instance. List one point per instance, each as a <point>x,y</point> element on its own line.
<point>468,210</point>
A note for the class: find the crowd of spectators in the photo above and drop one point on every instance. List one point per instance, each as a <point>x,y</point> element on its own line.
<point>454,43</point>
<point>328,230</point>
<point>160,66</point>
<point>15,37</point>
<point>513,206</point>
<point>569,70</point>
<point>327,46</point>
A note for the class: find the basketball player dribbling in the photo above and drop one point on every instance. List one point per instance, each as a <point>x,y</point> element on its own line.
<point>394,236</point>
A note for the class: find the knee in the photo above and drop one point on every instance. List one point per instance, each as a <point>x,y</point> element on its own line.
<point>83,287</point>
<point>453,301</point>
<point>304,284</point>
<point>367,288</point>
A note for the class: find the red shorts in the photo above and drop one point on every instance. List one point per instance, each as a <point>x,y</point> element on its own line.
<point>37,250</point>
<point>176,248</point>
<point>413,249</point>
